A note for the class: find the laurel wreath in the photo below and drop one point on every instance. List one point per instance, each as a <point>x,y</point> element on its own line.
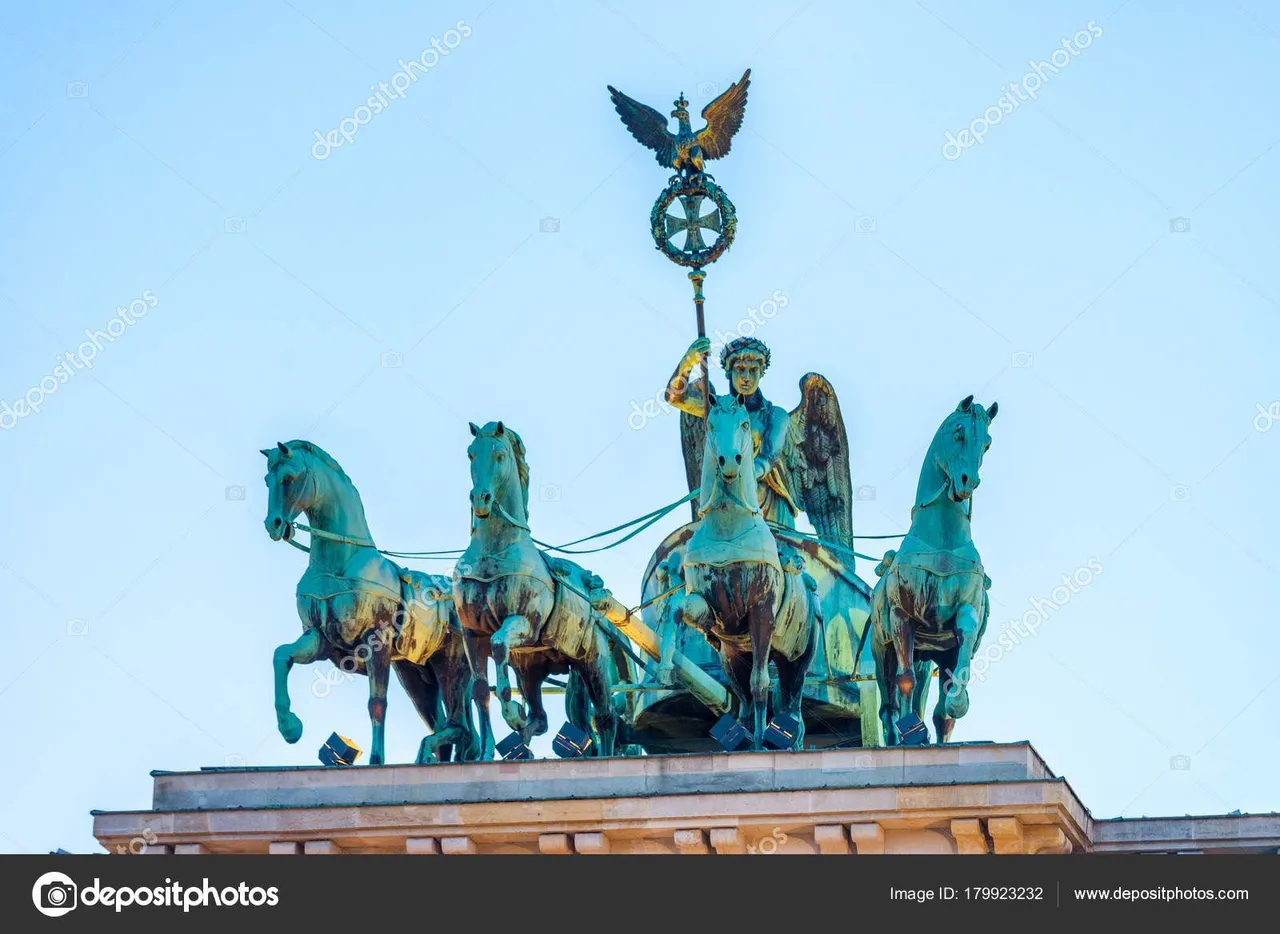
<point>728,221</point>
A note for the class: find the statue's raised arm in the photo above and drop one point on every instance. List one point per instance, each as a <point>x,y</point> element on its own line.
<point>690,398</point>
<point>816,463</point>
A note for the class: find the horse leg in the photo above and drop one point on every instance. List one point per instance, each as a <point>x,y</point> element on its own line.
<point>760,626</point>
<point>685,609</point>
<point>303,651</point>
<point>737,671</point>
<point>531,676</point>
<point>903,647</point>
<point>476,647</point>
<point>453,674</point>
<point>379,671</point>
<point>604,719</point>
<point>791,675</point>
<point>967,623</point>
<point>424,692</point>
<point>942,722</point>
<point>886,663</point>
<point>515,632</point>
<point>922,671</point>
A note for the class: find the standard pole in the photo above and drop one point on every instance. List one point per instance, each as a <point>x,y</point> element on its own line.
<point>697,277</point>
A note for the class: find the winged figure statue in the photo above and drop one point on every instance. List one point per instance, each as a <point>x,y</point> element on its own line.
<point>802,456</point>
<point>686,151</point>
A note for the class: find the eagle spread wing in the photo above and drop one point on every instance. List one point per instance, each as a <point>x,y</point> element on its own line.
<point>648,126</point>
<point>693,439</point>
<point>816,462</point>
<point>724,118</point>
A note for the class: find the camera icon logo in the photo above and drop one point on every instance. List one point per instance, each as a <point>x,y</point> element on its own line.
<point>1022,359</point>
<point>392,359</point>
<point>234,225</point>
<point>549,225</point>
<point>1179,224</point>
<point>1180,493</point>
<point>864,493</point>
<point>865,224</point>
<point>549,493</point>
<point>708,89</point>
<point>77,89</point>
<point>1180,763</point>
<point>54,894</point>
<point>235,493</point>
<point>77,627</point>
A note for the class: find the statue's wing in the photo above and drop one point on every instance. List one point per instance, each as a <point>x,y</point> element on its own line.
<point>724,118</point>
<point>647,125</point>
<point>816,461</point>
<point>693,440</point>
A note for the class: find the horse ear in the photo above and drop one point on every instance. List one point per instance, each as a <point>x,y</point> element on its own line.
<point>284,451</point>
<point>500,429</point>
<point>742,400</point>
<point>965,403</point>
<point>991,412</point>
<point>265,452</point>
<point>475,432</point>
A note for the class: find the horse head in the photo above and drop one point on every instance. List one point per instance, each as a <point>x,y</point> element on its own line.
<point>959,446</point>
<point>498,467</point>
<point>291,488</point>
<point>729,457</point>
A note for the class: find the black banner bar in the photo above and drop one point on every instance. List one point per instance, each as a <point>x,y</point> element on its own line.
<point>362,893</point>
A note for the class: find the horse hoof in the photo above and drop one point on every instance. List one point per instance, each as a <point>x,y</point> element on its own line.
<point>957,703</point>
<point>513,713</point>
<point>667,676</point>
<point>290,727</point>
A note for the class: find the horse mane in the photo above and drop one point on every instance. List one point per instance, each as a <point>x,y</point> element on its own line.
<point>321,454</point>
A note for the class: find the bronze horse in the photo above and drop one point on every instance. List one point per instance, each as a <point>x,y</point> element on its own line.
<point>753,603</point>
<point>930,605</point>
<point>523,609</point>
<point>366,613</point>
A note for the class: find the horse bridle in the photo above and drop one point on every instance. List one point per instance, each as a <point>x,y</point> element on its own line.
<point>502,511</point>
<point>947,484</point>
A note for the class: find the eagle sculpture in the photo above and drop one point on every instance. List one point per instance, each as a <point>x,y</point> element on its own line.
<point>684,150</point>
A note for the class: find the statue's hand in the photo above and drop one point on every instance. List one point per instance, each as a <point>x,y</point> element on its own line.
<point>697,349</point>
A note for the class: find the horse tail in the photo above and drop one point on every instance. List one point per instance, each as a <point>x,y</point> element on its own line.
<point>577,704</point>
<point>470,751</point>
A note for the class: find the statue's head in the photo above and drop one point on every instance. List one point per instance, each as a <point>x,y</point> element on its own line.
<point>744,360</point>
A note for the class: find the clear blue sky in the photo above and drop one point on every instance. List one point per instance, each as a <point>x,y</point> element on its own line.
<point>166,148</point>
